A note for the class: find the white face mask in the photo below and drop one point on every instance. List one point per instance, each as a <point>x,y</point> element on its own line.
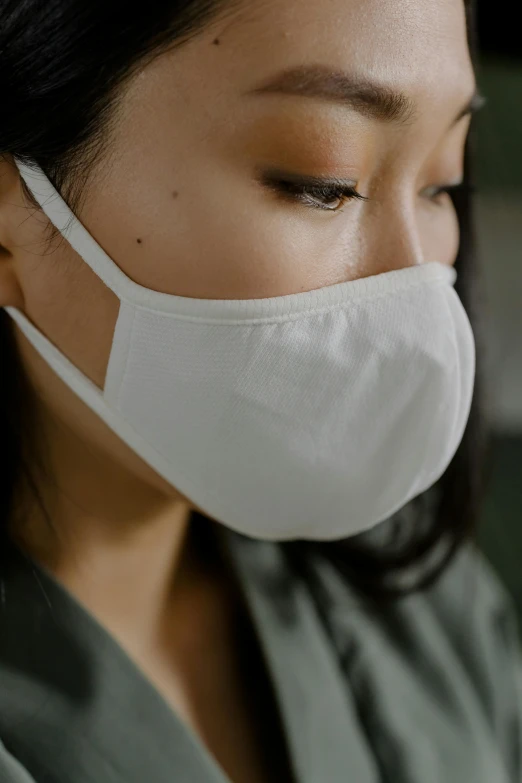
<point>313,415</point>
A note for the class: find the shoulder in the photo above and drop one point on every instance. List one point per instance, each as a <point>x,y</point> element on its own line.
<point>468,613</point>
<point>468,605</point>
<point>475,611</point>
<point>478,617</point>
<point>456,645</point>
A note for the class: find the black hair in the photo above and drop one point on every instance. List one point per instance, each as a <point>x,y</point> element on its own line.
<point>62,65</point>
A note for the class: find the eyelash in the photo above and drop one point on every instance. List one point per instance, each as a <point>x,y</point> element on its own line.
<point>464,188</point>
<point>306,190</point>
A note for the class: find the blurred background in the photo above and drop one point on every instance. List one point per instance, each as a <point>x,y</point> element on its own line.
<point>500,241</point>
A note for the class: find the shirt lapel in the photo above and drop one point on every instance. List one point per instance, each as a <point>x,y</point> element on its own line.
<point>320,718</point>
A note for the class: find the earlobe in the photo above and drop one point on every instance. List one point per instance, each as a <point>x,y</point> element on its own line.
<point>10,203</point>
<point>10,291</point>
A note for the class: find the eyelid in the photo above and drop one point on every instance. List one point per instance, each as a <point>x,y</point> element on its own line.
<point>456,187</point>
<point>307,180</point>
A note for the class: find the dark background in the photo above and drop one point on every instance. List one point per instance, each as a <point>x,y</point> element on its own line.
<point>500,239</point>
<point>499,28</point>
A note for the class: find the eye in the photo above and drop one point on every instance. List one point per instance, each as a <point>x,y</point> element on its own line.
<point>438,194</point>
<point>315,192</point>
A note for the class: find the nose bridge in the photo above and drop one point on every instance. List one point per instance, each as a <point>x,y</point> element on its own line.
<point>395,237</point>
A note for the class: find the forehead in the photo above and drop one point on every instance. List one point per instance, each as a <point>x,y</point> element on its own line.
<point>419,46</point>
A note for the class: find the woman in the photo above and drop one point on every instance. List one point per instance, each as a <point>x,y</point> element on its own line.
<point>241,451</point>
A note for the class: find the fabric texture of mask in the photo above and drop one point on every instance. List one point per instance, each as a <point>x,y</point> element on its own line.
<point>313,415</point>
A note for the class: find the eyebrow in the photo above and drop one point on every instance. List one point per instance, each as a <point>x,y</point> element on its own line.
<point>370,99</point>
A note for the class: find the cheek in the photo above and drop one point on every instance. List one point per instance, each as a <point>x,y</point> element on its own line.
<point>224,239</point>
<point>440,234</point>
<point>71,306</point>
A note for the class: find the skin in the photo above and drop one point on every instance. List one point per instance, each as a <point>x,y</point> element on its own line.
<point>179,175</point>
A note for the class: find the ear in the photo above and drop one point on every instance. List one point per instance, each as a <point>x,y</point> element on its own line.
<point>13,210</point>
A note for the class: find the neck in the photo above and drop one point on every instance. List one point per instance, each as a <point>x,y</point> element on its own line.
<point>117,543</point>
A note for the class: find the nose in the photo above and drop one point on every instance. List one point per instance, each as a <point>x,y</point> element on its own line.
<point>394,239</point>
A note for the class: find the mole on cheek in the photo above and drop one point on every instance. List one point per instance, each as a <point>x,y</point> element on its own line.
<point>216,41</point>
<point>139,241</point>
<point>175,194</point>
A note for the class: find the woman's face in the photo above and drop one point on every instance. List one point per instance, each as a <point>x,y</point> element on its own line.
<point>186,199</point>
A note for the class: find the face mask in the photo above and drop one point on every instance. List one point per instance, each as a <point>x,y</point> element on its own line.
<point>314,415</point>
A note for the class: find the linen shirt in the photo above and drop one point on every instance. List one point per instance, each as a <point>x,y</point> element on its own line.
<point>427,692</point>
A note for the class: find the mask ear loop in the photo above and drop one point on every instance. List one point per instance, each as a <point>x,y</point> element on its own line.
<point>64,219</point>
<point>62,366</point>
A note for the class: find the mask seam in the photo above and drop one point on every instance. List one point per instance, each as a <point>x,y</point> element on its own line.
<point>287,317</point>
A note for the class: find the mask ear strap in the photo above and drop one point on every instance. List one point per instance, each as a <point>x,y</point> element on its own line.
<point>62,217</point>
<point>62,366</point>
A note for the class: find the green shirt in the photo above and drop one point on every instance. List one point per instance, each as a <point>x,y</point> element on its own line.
<point>430,692</point>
